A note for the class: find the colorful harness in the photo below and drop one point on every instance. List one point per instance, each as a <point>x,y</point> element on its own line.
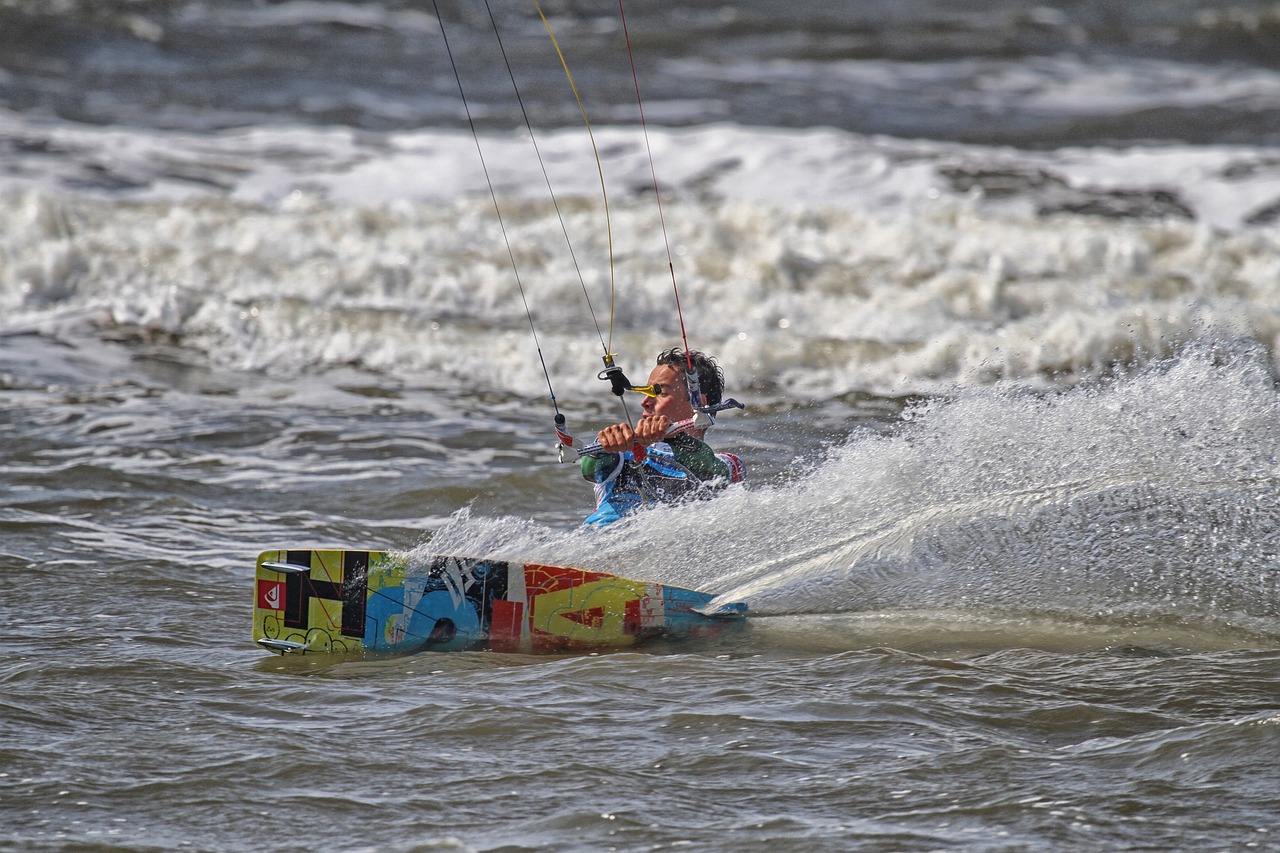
<point>678,469</point>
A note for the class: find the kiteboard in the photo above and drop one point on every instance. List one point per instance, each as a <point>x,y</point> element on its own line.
<point>344,602</point>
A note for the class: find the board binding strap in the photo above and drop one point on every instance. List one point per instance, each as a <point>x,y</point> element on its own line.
<point>346,602</point>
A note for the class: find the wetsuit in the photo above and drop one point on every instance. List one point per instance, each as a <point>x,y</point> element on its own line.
<point>672,470</point>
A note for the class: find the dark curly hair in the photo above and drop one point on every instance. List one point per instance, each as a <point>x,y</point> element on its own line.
<point>710,376</point>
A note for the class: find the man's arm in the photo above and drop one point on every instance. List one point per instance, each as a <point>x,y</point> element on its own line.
<point>596,469</point>
<point>696,455</point>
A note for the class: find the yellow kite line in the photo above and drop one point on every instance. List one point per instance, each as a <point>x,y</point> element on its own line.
<point>599,170</point>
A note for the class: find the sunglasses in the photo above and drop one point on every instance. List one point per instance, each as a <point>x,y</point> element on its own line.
<point>657,389</point>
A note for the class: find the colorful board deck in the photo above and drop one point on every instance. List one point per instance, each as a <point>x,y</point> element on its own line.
<point>382,601</point>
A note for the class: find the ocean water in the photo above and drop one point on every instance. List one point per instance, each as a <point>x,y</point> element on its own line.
<point>998,282</point>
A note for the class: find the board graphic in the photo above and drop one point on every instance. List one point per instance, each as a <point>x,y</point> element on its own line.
<point>337,601</point>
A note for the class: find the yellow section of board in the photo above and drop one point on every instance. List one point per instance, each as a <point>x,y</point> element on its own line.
<point>593,613</point>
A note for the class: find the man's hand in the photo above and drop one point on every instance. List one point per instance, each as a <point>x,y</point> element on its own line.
<point>652,428</point>
<point>621,437</point>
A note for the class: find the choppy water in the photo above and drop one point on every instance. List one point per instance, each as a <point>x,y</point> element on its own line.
<point>997,281</point>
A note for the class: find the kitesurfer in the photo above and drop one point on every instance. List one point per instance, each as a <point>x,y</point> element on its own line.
<point>667,468</point>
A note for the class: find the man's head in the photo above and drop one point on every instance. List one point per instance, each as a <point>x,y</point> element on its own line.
<point>710,376</point>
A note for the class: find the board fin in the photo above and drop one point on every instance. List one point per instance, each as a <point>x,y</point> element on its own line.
<point>284,647</point>
<point>286,568</point>
<point>727,610</point>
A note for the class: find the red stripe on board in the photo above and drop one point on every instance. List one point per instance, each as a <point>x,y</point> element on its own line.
<point>504,625</point>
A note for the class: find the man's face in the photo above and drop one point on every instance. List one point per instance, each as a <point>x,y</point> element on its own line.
<point>674,399</point>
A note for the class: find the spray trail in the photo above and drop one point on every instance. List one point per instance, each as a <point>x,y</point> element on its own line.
<point>1147,497</point>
